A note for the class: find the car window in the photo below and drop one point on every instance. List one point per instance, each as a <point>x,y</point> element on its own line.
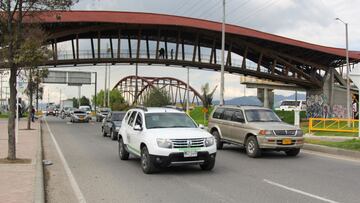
<point>168,120</point>
<point>117,116</point>
<point>127,115</point>
<point>228,113</point>
<point>238,116</point>
<point>138,120</point>
<point>218,113</point>
<point>132,118</point>
<point>261,115</point>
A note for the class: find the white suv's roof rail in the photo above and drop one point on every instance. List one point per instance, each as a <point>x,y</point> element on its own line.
<point>141,107</point>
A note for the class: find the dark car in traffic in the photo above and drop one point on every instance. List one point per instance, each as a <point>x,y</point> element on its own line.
<point>102,113</point>
<point>112,123</point>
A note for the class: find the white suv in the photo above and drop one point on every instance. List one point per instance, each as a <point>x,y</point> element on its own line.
<point>165,137</point>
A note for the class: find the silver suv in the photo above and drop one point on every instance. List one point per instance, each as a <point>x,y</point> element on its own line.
<point>255,128</point>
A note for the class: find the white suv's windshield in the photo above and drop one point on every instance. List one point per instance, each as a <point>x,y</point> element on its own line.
<point>168,120</point>
<point>261,115</point>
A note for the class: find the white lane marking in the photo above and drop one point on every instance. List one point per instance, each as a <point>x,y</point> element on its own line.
<point>299,191</point>
<point>332,156</point>
<point>73,182</point>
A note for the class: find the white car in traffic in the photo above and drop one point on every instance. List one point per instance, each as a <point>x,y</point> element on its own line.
<point>164,137</point>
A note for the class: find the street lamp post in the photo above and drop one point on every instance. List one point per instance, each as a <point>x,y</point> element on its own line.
<point>222,56</point>
<point>347,69</point>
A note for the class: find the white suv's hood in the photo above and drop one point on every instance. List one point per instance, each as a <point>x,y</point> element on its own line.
<point>178,133</point>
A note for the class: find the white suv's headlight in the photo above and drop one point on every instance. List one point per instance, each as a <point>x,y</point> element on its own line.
<point>209,141</point>
<point>164,143</point>
<point>299,133</point>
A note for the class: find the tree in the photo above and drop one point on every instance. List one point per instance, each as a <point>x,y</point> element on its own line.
<point>157,98</point>
<point>117,101</point>
<point>84,101</point>
<point>33,53</point>
<point>207,96</point>
<point>75,102</point>
<point>13,35</point>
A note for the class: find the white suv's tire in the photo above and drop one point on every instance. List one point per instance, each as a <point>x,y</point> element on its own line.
<point>252,147</point>
<point>147,164</point>
<point>123,154</point>
<point>219,143</point>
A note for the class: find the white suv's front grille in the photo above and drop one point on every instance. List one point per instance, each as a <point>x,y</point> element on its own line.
<point>188,143</point>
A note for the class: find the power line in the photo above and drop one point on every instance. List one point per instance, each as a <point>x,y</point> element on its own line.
<point>266,5</point>
<point>241,5</point>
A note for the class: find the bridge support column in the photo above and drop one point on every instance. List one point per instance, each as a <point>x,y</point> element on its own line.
<point>328,102</point>
<point>266,96</point>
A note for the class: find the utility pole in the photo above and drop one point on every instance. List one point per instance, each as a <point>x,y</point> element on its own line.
<point>95,98</point>
<point>222,56</point>
<point>348,104</point>
<point>105,89</point>
<point>108,94</point>
<point>136,82</point>
<point>187,91</point>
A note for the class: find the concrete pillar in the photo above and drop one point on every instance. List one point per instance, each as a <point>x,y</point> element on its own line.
<point>266,96</point>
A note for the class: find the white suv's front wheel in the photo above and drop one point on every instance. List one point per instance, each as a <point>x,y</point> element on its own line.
<point>147,164</point>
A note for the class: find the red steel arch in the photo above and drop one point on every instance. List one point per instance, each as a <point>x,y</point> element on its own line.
<point>175,88</point>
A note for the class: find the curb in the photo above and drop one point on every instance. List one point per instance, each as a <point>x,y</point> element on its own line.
<point>332,150</point>
<point>39,193</point>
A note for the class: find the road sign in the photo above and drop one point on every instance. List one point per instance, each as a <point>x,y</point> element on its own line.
<point>58,77</point>
<point>205,110</point>
<point>81,78</point>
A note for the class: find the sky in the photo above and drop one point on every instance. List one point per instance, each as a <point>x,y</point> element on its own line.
<point>311,21</point>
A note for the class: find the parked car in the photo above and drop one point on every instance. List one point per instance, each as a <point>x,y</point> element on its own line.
<point>291,105</point>
<point>164,137</point>
<point>80,116</point>
<point>112,123</point>
<point>101,113</point>
<point>255,128</point>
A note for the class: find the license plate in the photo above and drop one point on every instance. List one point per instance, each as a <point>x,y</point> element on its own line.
<point>286,141</point>
<point>190,154</point>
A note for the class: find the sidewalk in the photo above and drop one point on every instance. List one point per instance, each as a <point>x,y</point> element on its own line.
<point>18,180</point>
<point>329,138</point>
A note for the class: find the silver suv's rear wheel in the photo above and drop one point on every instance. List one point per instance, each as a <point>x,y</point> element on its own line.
<point>252,147</point>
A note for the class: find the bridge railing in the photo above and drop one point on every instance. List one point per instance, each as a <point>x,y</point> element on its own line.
<point>104,54</point>
<point>333,125</point>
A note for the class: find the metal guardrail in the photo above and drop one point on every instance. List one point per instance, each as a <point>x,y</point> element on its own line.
<point>334,125</point>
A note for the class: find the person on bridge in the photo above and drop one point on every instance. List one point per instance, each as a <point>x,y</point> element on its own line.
<point>161,53</point>
<point>172,53</point>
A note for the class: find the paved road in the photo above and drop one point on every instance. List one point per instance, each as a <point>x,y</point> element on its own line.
<point>102,177</point>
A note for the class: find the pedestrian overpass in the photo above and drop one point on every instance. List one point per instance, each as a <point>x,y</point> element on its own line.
<point>98,37</point>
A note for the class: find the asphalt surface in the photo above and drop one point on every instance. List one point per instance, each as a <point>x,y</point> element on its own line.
<point>103,177</point>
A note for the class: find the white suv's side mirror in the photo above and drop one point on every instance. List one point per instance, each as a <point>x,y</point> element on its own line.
<point>138,128</point>
<point>201,126</point>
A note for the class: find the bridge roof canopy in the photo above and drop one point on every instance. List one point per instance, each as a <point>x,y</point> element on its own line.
<point>300,49</point>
